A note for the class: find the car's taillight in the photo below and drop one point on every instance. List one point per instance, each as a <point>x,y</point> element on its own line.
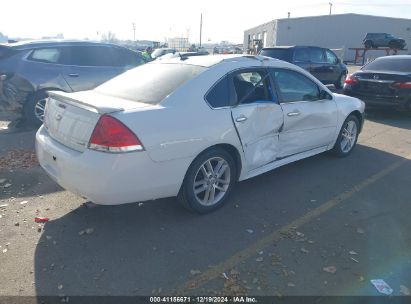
<point>111,135</point>
<point>401,85</point>
<point>351,80</point>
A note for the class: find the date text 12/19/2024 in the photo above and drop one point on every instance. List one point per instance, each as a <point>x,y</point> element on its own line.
<point>203,299</point>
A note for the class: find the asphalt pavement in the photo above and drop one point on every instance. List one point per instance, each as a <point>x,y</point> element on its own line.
<point>320,226</point>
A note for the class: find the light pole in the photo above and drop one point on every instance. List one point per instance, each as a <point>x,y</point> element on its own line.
<point>134,31</point>
<point>201,27</point>
<point>331,5</point>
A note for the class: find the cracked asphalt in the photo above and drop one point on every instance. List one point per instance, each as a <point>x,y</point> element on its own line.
<point>320,226</point>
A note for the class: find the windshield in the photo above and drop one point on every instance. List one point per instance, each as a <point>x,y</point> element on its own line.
<point>389,64</point>
<point>281,54</point>
<point>150,83</point>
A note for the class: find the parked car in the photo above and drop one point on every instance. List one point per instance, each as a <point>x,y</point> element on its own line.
<point>386,81</point>
<point>191,128</point>
<point>161,52</point>
<point>376,40</point>
<point>29,69</point>
<point>320,62</point>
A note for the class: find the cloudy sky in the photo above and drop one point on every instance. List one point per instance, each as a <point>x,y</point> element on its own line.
<point>158,19</point>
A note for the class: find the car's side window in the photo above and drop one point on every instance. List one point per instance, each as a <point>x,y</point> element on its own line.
<point>219,95</point>
<point>252,86</point>
<point>294,86</point>
<point>125,58</point>
<point>88,56</point>
<point>48,55</point>
<point>331,58</point>
<point>317,55</point>
<point>301,55</point>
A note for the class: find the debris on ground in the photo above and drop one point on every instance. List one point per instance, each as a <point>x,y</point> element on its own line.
<point>39,219</point>
<point>23,202</point>
<point>86,231</point>
<point>259,259</point>
<point>355,260</point>
<point>60,286</point>
<point>16,159</point>
<point>4,205</point>
<point>303,250</point>
<point>195,272</point>
<point>291,284</point>
<point>7,185</point>
<point>250,231</point>
<point>2,180</point>
<point>382,286</point>
<point>352,252</point>
<point>4,250</point>
<point>299,234</point>
<point>16,224</point>
<point>405,290</point>
<point>330,269</point>
<point>360,231</point>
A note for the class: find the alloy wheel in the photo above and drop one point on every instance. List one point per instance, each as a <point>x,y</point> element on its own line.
<point>39,109</point>
<point>211,181</point>
<point>349,136</point>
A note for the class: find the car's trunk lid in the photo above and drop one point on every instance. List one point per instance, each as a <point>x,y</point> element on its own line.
<point>379,83</point>
<point>70,118</point>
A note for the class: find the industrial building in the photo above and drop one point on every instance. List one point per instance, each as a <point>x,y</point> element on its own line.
<point>342,31</point>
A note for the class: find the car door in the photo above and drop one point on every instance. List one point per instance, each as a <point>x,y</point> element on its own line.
<point>333,64</point>
<point>301,58</point>
<point>257,116</point>
<point>86,67</point>
<point>319,66</point>
<point>310,114</point>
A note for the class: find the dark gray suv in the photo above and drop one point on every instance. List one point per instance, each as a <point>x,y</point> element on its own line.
<point>375,40</point>
<point>29,69</point>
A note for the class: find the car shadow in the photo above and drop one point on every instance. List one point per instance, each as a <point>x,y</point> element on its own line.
<point>153,247</point>
<point>391,117</point>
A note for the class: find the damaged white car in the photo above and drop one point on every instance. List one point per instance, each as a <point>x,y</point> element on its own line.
<point>191,128</point>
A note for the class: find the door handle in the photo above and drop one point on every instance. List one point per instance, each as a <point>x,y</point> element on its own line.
<point>74,75</point>
<point>241,118</point>
<point>296,113</point>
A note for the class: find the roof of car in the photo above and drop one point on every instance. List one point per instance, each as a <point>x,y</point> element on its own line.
<point>396,57</point>
<point>290,47</point>
<point>31,44</point>
<point>210,60</point>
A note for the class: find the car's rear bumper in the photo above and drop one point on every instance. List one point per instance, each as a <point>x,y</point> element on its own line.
<point>106,178</point>
<point>378,100</point>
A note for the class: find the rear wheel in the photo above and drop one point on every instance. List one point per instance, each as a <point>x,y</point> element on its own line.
<point>347,139</point>
<point>33,110</point>
<point>209,181</point>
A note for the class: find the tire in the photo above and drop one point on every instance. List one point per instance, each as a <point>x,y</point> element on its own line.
<point>368,44</point>
<point>340,149</point>
<point>33,110</point>
<point>339,84</point>
<point>201,201</point>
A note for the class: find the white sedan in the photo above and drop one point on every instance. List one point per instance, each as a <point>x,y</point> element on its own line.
<point>191,128</point>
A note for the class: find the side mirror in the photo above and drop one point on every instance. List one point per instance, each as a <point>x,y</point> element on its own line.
<point>325,95</point>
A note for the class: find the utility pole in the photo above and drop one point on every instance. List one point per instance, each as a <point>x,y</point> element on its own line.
<point>134,31</point>
<point>331,5</point>
<point>201,27</point>
<point>289,13</point>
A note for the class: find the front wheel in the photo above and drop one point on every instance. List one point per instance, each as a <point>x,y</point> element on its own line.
<point>209,181</point>
<point>340,82</point>
<point>347,139</point>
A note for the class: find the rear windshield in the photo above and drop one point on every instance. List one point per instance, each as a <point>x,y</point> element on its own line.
<point>281,54</point>
<point>389,64</point>
<point>150,83</point>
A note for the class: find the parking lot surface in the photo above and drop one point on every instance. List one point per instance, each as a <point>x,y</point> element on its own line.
<point>320,226</point>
